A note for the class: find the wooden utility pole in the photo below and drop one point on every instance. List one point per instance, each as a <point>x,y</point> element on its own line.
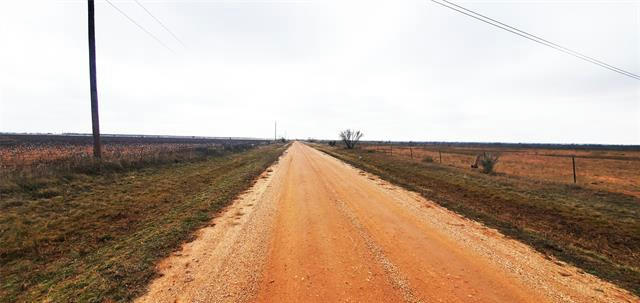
<point>95,122</point>
<point>573,161</point>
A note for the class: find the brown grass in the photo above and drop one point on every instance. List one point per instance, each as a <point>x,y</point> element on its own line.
<point>96,237</point>
<point>45,159</point>
<point>615,171</point>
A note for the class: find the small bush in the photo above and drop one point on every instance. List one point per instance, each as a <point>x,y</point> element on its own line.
<point>427,159</point>
<point>488,162</point>
<point>332,143</point>
<point>350,137</point>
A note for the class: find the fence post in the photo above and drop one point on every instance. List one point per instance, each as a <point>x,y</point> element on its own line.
<point>411,151</point>
<point>440,153</point>
<point>391,150</point>
<point>573,161</point>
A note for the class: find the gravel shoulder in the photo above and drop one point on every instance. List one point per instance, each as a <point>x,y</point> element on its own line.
<point>222,264</point>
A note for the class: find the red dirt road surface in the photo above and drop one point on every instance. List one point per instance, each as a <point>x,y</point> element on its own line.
<point>314,229</point>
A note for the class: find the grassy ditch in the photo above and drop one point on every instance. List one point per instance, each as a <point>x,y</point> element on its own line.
<point>596,230</point>
<point>96,237</point>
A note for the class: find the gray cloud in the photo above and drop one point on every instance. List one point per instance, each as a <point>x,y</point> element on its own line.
<point>403,70</point>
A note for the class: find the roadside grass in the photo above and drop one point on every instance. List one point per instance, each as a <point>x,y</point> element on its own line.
<point>596,230</point>
<point>616,169</point>
<point>97,237</point>
<point>29,168</point>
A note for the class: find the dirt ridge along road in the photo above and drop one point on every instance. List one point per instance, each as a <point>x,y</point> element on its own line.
<point>314,229</point>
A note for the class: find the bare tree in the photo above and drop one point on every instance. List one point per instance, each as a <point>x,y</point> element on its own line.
<point>350,137</point>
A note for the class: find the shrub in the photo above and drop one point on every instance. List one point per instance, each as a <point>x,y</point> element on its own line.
<point>350,137</point>
<point>488,162</point>
<point>427,159</point>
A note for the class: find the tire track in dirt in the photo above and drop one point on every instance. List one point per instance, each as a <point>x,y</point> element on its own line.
<point>316,253</point>
<point>397,279</point>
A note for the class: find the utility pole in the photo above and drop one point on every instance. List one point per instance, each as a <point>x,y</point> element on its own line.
<point>573,161</point>
<point>97,151</point>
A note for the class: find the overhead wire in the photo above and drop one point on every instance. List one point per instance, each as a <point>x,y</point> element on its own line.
<point>140,26</point>
<point>526,35</point>
<point>161,24</point>
<point>583,56</point>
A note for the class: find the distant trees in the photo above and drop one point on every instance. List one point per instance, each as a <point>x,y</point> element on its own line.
<point>350,137</point>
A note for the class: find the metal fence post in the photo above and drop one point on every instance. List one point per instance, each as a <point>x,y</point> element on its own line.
<point>573,161</point>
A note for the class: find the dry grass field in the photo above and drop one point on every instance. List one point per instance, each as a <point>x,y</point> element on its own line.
<point>33,155</point>
<point>610,170</point>
<point>28,161</point>
<point>37,154</point>
<point>94,236</point>
<point>75,229</point>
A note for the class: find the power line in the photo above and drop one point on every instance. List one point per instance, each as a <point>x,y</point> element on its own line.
<point>161,24</point>
<point>140,26</point>
<point>543,40</point>
<point>538,39</point>
<point>534,38</point>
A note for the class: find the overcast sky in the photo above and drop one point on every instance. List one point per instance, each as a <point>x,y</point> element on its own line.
<point>397,70</point>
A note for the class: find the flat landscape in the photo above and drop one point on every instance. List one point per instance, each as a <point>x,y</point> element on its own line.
<point>93,232</point>
<point>194,220</point>
<point>314,229</point>
<point>320,151</point>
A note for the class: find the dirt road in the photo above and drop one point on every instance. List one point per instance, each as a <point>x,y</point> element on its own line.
<point>315,229</point>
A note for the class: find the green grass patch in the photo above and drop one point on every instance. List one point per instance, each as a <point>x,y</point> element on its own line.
<point>97,237</point>
<point>598,231</point>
